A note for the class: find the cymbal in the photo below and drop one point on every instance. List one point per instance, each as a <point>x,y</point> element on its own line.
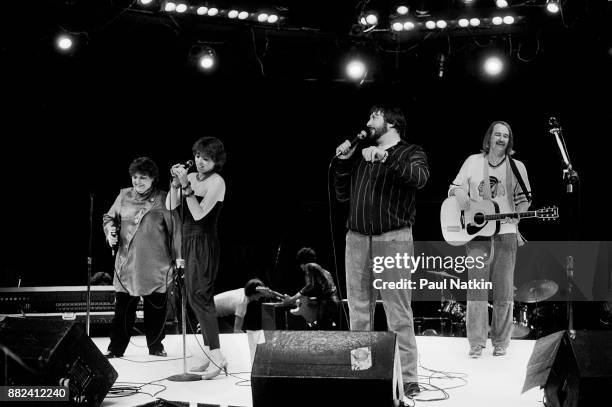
<point>537,291</point>
<point>441,273</point>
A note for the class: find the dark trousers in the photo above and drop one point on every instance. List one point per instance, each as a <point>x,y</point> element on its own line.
<point>125,316</point>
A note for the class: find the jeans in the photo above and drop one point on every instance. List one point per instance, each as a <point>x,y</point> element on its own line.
<point>500,272</point>
<point>362,294</point>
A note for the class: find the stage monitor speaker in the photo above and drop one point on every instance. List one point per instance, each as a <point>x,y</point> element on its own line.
<point>326,368</point>
<point>575,369</point>
<point>54,353</point>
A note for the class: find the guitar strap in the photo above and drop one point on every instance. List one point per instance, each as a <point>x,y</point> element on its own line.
<point>519,178</point>
<point>486,194</point>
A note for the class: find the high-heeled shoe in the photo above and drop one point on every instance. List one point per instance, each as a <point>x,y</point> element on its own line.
<point>205,362</point>
<point>215,370</point>
<point>219,364</point>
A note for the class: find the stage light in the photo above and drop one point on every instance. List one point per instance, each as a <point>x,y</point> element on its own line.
<point>232,14</point>
<point>402,10</point>
<point>64,42</point>
<point>272,18</point>
<point>262,17</point>
<point>408,25</point>
<point>493,65</point>
<point>497,20</point>
<point>430,24</point>
<point>474,22</point>
<point>206,58</point>
<point>243,15</point>
<point>463,22</point>
<point>201,11</point>
<point>501,3</point>
<point>213,11</point>
<point>145,2</point>
<point>397,26</point>
<point>170,7</point>
<point>356,70</point>
<point>181,8</point>
<point>508,20</point>
<point>441,24</point>
<point>362,21</point>
<point>552,6</point>
<point>371,19</point>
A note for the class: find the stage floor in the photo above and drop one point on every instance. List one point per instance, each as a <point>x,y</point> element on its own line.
<point>484,382</point>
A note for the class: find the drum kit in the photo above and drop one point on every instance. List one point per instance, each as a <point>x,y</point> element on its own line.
<point>528,320</point>
<point>530,316</point>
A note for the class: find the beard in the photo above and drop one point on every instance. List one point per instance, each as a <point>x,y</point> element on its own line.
<point>377,132</point>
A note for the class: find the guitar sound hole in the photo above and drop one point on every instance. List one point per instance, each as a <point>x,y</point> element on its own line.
<point>479,218</point>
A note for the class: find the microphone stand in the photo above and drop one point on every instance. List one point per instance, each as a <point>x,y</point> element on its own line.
<point>570,177</point>
<point>89,265</point>
<point>180,267</point>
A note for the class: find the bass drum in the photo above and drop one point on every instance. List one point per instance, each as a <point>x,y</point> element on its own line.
<point>520,324</point>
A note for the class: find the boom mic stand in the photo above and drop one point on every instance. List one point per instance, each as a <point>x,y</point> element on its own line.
<point>570,178</point>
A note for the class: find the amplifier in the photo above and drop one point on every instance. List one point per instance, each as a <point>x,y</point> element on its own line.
<point>57,299</point>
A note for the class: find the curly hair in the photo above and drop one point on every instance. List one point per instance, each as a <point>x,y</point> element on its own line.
<point>211,148</point>
<point>145,166</point>
<point>306,255</point>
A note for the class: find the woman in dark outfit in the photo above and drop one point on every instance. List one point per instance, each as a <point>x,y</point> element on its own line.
<point>202,193</point>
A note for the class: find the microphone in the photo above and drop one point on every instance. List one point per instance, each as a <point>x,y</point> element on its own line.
<point>113,247</point>
<point>360,136</point>
<point>188,164</point>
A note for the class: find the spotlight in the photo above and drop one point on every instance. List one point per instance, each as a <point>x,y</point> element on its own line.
<point>272,18</point>
<point>145,2</point>
<point>356,70</point>
<point>397,26</point>
<point>552,6</point>
<point>508,20</point>
<point>474,22</point>
<point>441,24</point>
<point>497,20</point>
<point>262,17</point>
<point>402,10</point>
<point>213,11</point>
<point>243,15</point>
<point>430,24</point>
<point>201,11</point>
<point>463,22</point>
<point>501,3</point>
<point>170,7</point>
<point>493,66</point>
<point>64,43</point>
<point>371,18</point>
<point>206,58</point>
<point>232,14</point>
<point>181,8</point>
<point>408,25</point>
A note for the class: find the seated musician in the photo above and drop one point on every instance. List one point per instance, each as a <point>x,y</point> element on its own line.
<point>319,293</point>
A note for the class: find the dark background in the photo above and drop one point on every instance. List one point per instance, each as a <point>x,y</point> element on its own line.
<point>73,123</point>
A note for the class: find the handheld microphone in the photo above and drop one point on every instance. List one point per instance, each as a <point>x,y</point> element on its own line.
<point>360,136</point>
<point>188,164</point>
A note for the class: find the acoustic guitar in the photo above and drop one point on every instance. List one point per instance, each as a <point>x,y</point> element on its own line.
<point>482,218</point>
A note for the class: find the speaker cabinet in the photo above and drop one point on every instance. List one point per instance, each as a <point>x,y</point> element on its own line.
<point>575,369</point>
<point>325,368</point>
<point>54,353</point>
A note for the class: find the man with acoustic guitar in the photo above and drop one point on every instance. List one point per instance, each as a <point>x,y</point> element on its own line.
<point>507,186</point>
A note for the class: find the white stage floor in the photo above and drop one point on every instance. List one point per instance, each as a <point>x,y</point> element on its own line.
<point>488,381</point>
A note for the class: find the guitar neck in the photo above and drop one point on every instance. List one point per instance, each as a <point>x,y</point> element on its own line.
<point>518,215</point>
